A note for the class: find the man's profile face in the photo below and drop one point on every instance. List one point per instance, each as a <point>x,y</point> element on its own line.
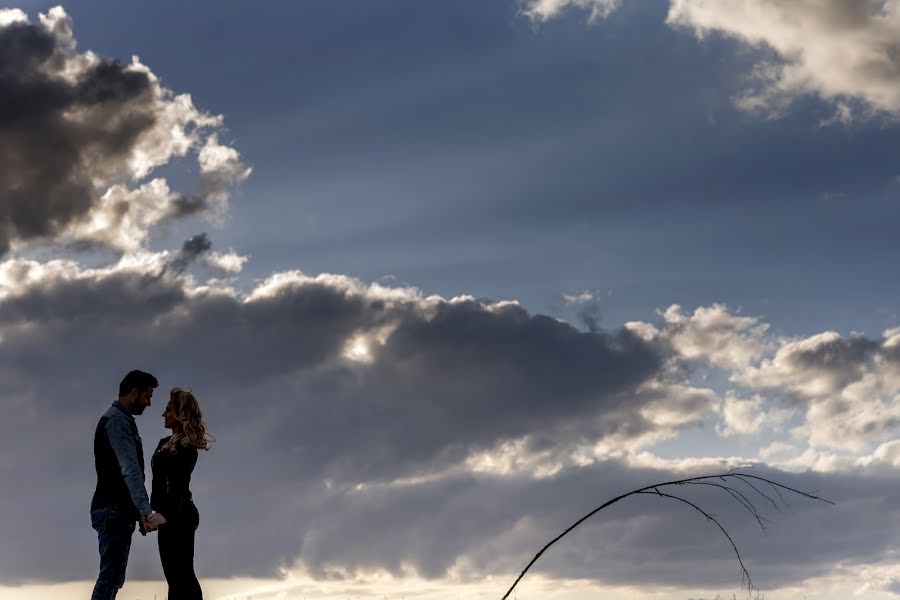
<point>142,400</point>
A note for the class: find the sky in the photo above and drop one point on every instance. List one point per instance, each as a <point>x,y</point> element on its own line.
<point>445,276</point>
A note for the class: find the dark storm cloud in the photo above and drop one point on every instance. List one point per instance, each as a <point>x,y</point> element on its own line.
<point>56,135</point>
<point>450,379</point>
<point>460,380</point>
<point>465,373</point>
<point>191,250</point>
<point>508,369</point>
<point>76,128</point>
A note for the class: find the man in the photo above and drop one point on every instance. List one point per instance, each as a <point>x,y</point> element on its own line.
<point>120,499</point>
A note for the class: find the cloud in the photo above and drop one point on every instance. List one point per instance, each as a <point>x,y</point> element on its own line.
<point>470,426</point>
<point>840,51</point>
<point>446,379</point>
<point>893,586</point>
<point>588,308</point>
<point>197,251</point>
<point>846,53</point>
<point>750,416</point>
<point>229,262</point>
<point>848,386</point>
<point>79,130</point>
<point>544,10</point>
<point>494,525</point>
<point>726,340</point>
<point>468,373</point>
<point>191,251</point>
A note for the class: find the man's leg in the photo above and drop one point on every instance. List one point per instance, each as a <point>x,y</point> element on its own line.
<point>114,530</point>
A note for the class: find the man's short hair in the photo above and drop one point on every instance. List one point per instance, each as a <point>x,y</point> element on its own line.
<point>137,379</point>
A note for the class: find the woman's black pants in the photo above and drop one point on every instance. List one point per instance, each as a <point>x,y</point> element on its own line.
<point>176,552</point>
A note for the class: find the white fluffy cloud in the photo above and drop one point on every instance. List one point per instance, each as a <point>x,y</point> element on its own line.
<point>841,51</point>
<point>845,52</point>
<point>543,10</point>
<point>847,389</point>
<point>750,415</point>
<point>725,339</point>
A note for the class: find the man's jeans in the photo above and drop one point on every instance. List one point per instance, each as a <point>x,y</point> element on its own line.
<point>114,529</point>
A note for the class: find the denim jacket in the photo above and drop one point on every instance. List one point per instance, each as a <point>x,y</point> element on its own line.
<point>121,432</point>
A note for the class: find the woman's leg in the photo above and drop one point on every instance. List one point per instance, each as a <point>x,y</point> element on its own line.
<point>168,550</point>
<point>191,587</point>
<point>176,552</point>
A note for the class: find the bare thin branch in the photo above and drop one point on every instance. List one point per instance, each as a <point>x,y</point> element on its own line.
<point>768,498</point>
<point>740,499</point>
<point>707,480</point>
<point>778,486</point>
<point>744,572</point>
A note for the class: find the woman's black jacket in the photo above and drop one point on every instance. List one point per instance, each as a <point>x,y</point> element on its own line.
<point>171,492</point>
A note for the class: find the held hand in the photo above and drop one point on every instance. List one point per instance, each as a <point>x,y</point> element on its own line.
<point>155,520</point>
<point>145,522</point>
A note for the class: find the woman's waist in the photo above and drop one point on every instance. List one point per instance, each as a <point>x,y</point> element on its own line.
<point>176,500</point>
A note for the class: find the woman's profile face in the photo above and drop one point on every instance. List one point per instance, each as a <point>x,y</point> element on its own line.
<point>169,416</point>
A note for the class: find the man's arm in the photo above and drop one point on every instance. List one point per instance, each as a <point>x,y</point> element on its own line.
<point>119,432</point>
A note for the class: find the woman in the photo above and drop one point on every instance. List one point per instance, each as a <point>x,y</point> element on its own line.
<point>172,463</point>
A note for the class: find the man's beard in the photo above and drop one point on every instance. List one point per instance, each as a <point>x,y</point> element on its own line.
<point>138,408</point>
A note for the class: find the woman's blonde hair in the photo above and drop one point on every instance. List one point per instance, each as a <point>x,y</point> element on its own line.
<point>187,413</point>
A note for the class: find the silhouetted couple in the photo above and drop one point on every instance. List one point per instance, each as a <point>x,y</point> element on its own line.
<point>120,502</point>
